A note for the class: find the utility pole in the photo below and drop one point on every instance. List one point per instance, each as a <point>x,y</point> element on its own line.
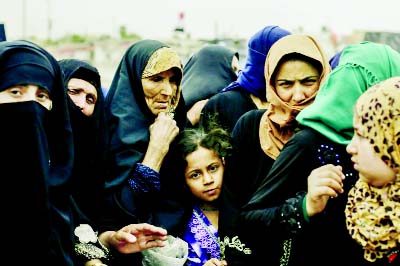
<point>49,21</point>
<point>23,19</point>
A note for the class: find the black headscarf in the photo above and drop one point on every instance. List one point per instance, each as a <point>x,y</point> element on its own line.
<point>89,134</point>
<point>2,33</point>
<point>207,72</point>
<point>127,115</point>
<point>36,158</point>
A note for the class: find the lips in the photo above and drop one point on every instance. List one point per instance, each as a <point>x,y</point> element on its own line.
<point>355,163</point>
<point>162,105</point>
<point>211,192</point>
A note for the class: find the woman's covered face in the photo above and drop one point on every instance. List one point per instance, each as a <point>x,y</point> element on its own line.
<point>23,93</point>
<point>295,81</point>
<point>83,94</point>
<point>160,90</point>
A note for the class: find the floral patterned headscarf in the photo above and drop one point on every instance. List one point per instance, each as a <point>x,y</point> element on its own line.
<point>372,213</point>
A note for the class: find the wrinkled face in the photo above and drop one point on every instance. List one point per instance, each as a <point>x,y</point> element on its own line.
<point>295,81</point>
<point>235,65</point>
<point>204,174</point>
<point>83,94</point>
<point>370,166</point>
<point>23,93</point>
<point>159,90</point>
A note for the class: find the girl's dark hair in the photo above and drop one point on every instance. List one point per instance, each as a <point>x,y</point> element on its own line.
<point>210,136</point>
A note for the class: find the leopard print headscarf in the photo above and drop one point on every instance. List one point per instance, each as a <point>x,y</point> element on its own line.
<point>373,214</point>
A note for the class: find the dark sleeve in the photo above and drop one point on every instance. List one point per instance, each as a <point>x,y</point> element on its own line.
<point>144,180</point>
<point>277,205</point>
<point>245,156</point>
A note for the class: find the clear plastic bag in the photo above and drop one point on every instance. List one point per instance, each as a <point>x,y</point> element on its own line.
<point>174,253</point>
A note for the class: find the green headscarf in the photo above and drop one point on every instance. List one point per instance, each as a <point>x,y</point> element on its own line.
<point>361,66</point>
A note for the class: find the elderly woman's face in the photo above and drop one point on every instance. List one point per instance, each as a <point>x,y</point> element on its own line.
<point>23,93</point>
<point>159,90</point>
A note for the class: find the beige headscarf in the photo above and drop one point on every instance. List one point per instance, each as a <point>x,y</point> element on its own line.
<point>278,122</point>
<point>373,214</point>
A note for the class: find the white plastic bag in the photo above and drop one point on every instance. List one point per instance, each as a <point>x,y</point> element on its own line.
<point>174,253</point>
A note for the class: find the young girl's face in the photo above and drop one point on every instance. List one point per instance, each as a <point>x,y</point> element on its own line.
<point>204,174</point>
<point>370,166</point>
<point>23,93</point>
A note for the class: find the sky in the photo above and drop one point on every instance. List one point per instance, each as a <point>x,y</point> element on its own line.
<point>202,18</point>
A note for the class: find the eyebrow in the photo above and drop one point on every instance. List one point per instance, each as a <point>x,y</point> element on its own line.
<point>308,77</point>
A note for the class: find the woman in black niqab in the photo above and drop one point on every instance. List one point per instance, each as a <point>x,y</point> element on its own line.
<point>36,160</point>
<point>89,135</point>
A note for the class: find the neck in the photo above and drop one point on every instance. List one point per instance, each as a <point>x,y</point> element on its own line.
<point>208,207</point>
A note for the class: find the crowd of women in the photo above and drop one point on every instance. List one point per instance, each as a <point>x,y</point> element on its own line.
<point>292,160</point>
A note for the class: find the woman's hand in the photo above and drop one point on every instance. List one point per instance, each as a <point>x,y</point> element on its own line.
<point>162,132</point>
<point>323,183</point>
<point>134,238</point>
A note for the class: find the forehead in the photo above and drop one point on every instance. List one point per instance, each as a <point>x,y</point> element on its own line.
<point>294,67</point>
<point>167,73</point>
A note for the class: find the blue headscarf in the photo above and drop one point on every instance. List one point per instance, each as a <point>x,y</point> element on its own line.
<point>334,61</point>
<point>251,78</point>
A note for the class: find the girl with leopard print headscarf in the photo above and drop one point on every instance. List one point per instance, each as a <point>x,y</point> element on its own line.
<point>373,206</point>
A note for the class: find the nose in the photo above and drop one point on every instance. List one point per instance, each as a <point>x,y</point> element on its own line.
<point>350,147</point>
<point>208,179</point>
<point>80,101</point>
<point>168,88</point>
<point>298,93</point>
<point>31,94</point>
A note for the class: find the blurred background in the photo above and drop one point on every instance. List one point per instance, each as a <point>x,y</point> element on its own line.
<point>100,31</point>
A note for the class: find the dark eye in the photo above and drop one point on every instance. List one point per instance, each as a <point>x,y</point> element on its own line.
<point>72,91</point>
<point>285,84</point>
<point>194,175</point>
<point>213,167</point>
<point>90,99</point>
<point>15,91</point>
<point>156,78</point>
<point>309,82</point>
<point>174,79</point>
<point>44,95</point>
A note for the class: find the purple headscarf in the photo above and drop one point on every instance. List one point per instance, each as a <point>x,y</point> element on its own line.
<point>251,78</point>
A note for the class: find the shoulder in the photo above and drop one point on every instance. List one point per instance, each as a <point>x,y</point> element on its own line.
<point>307,136</point>
<point>304,141</point>
<point>251,117</point>
<point>228,97</point>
